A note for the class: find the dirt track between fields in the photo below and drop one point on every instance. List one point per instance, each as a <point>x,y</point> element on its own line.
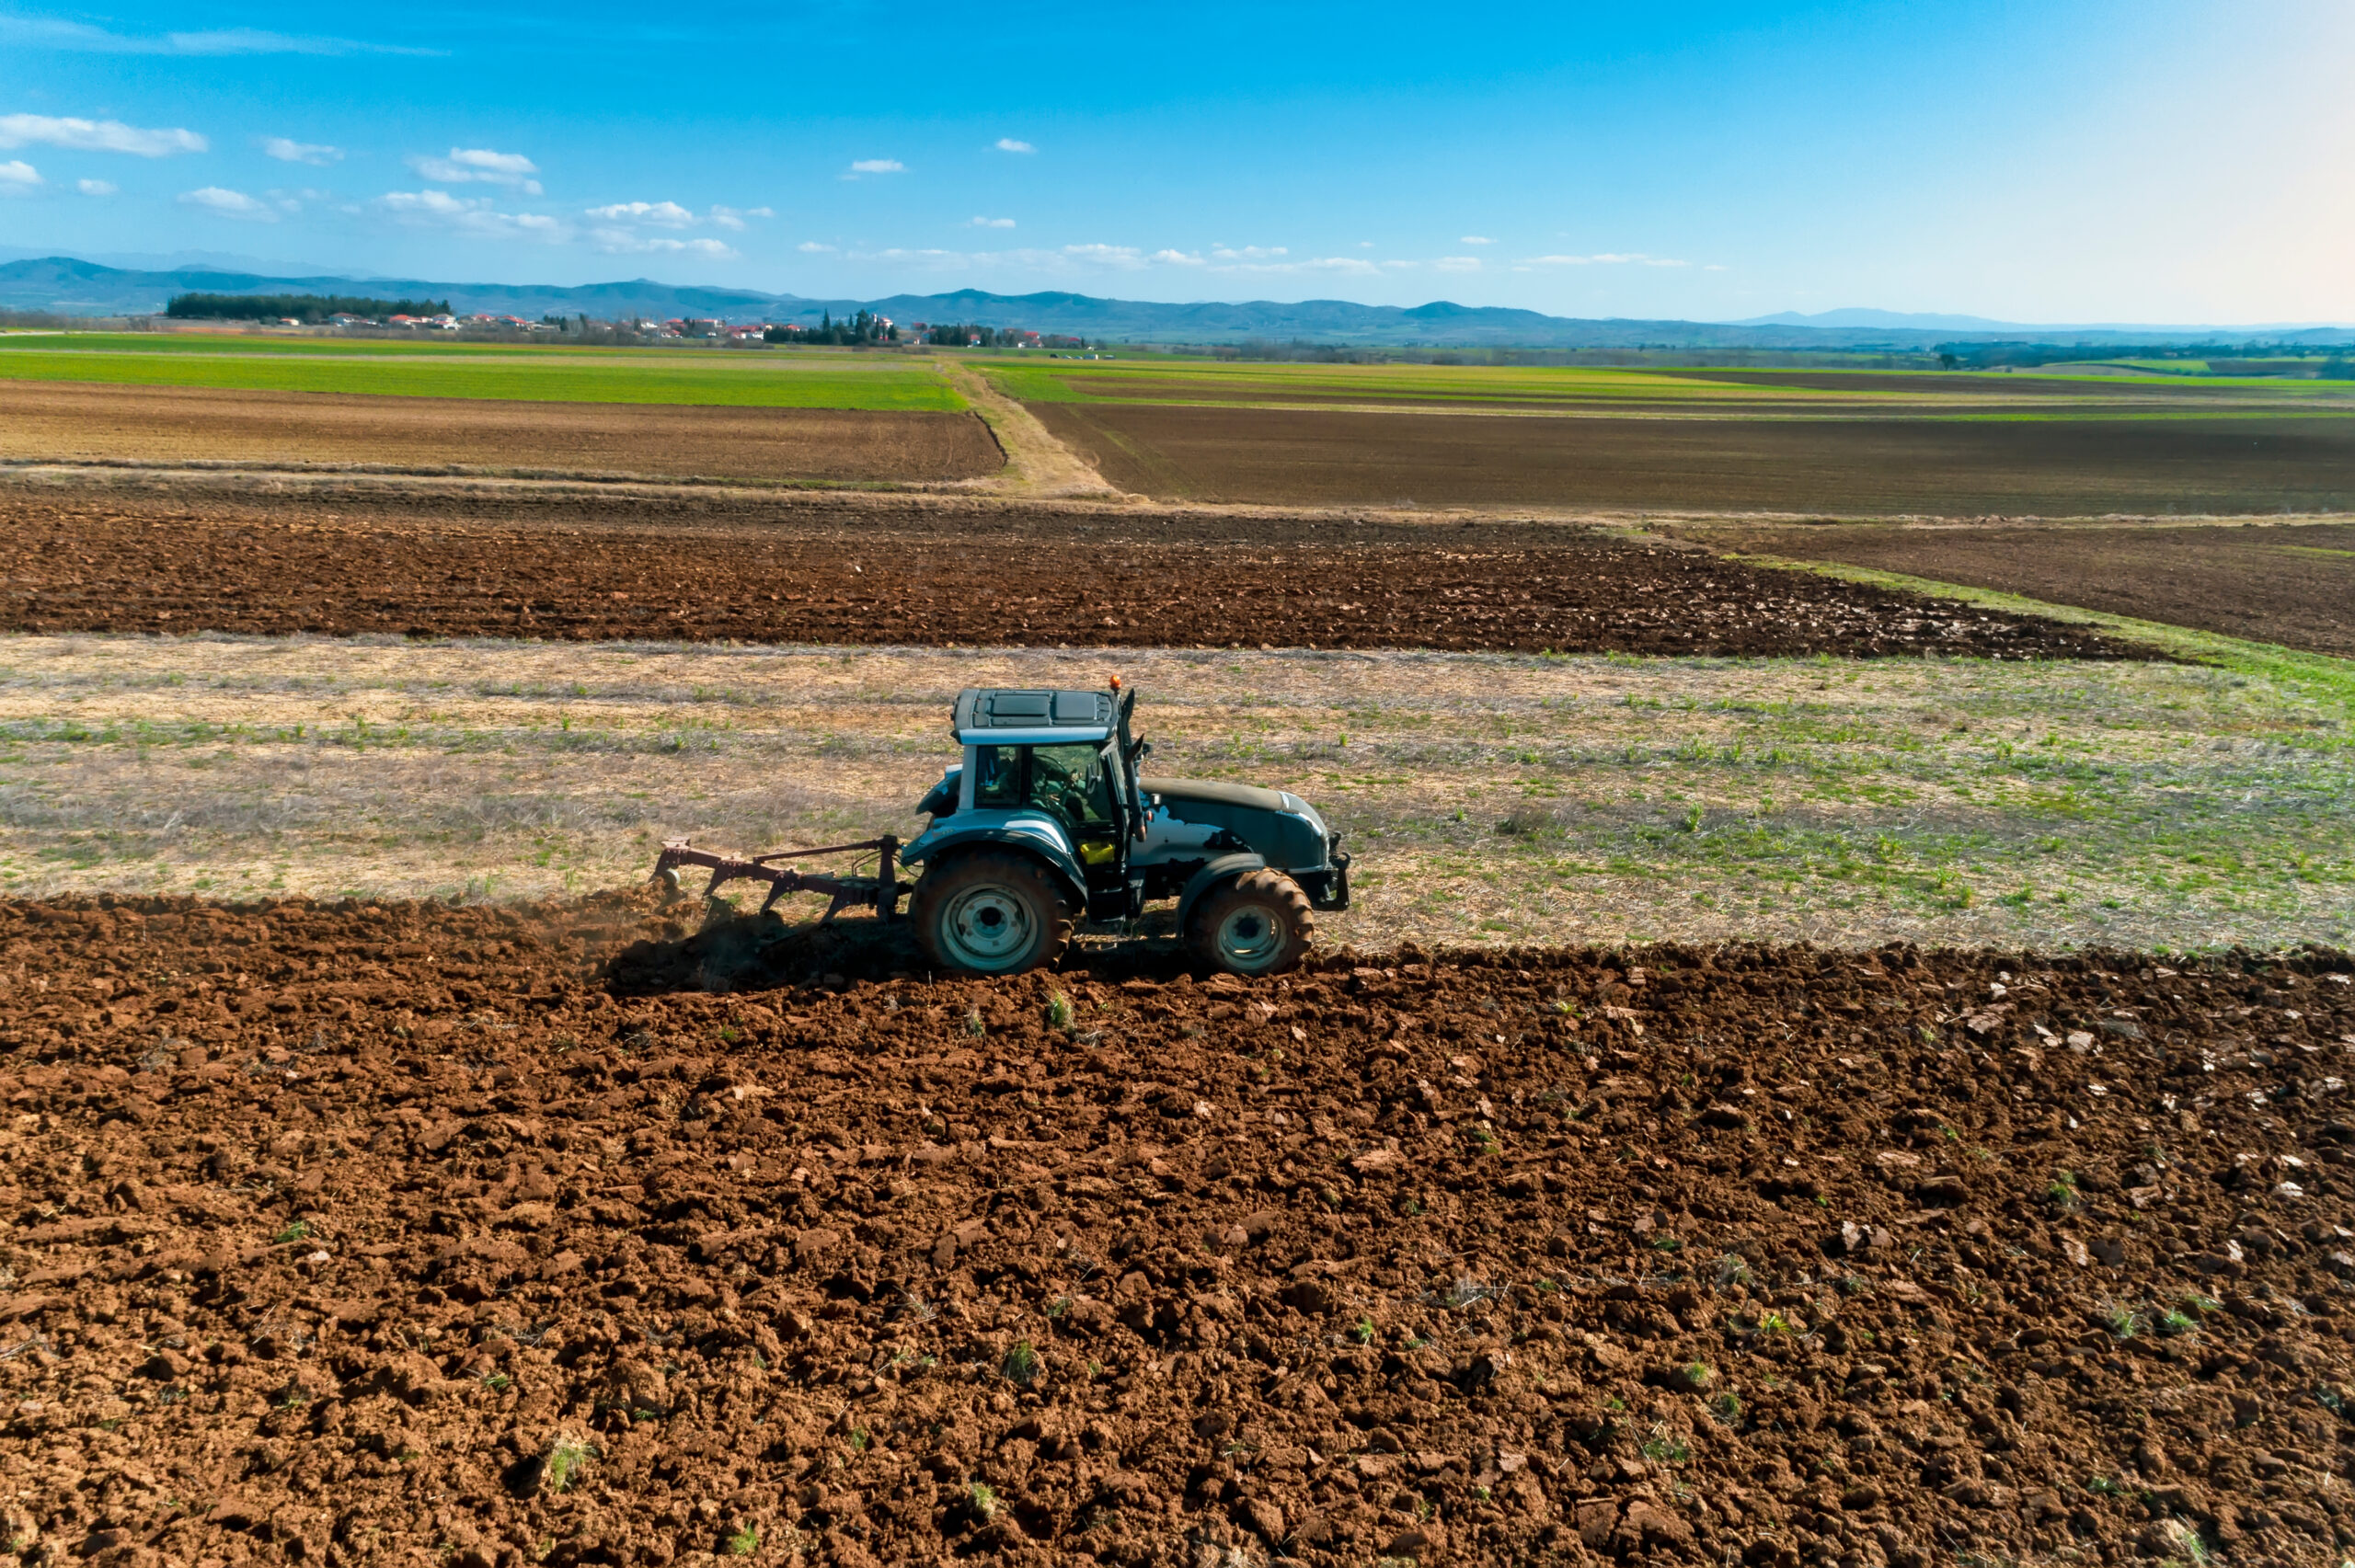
<point>887,570</point>
<point>338,1234</point>
<point>84,422</point>
<point>2047,466</point>
<point>2287,584</point>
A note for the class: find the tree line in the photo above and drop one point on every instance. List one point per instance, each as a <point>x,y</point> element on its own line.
<point>864,327</point>
<point>308,308</point>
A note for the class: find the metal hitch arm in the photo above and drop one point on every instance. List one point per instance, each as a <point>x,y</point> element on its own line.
<point>881,892</point>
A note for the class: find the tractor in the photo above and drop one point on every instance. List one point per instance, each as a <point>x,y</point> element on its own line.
<point>1047,824</point>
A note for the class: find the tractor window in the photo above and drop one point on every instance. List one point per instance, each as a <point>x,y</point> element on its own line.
<point>1071,782</point>
<point>997,776</point>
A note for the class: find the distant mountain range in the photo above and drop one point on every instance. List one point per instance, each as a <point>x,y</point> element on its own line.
<point>72,287</point>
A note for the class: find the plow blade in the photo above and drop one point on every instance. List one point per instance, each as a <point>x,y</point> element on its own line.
<point>881,892</point>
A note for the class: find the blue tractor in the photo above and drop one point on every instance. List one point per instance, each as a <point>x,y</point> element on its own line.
<point>1047,823</point>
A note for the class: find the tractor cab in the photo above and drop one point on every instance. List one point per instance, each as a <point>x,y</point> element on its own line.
<point>1045,822</point>
<point>1059,758</point>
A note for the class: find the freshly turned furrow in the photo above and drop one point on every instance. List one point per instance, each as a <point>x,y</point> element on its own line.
<point>563,1232</point>
<point>88,565</point>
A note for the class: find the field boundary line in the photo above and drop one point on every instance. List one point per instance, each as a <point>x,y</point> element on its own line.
<point>2319,675</point>
<point>1037,464</point>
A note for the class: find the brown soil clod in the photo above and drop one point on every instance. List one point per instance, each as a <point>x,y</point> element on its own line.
<point>338,1230</point>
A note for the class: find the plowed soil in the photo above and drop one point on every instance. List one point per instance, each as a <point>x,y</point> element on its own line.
<point>2050,467</point>
<point>370,1234</point>
<point>81,421</point>
<point>812,572</point>
<point>2294,585</point>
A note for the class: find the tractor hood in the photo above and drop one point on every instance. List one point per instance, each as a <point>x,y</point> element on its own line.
<point>1278,824</point>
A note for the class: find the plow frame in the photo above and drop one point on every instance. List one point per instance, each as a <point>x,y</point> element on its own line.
<point>881,892</point>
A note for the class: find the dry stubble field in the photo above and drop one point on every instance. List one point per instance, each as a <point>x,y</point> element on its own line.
<point>1489,798</point>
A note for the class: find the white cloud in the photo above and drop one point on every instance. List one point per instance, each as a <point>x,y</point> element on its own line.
<point>17,178</point>
<point>291,201</point>
<point>96,136</point>
<point>811,247</point>
<point>876,166</point>
<point>42,32</point>
<point>1127,258</point>
<point>1606,259</point>
<point>228,204</point>
<point>1008,144</point>
<point>1175,258</point>
<point>1227,259</point>
<point>1476,239</point>
<point>628,242</point>
<point>288,150</point>
<point>464,164</point>
<point>980,222</point>
<point>662,215</point>
<point>1457,264</point>
<point>478,217</point>
<point>97,187</point>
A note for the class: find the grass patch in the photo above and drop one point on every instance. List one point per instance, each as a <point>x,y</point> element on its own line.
<point>778,379</point>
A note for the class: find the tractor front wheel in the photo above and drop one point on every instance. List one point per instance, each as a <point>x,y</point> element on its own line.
<point>1257,924</point>
<point>989,913</point>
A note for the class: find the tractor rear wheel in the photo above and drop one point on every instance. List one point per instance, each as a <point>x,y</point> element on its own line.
<point>989,913</point>
<point>1258,924</point>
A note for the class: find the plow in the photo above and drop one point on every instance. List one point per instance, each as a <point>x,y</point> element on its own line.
<point>881,892</point>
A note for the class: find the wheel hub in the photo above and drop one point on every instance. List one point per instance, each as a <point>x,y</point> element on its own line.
<point>1247,939</point>
<point>987,927</point>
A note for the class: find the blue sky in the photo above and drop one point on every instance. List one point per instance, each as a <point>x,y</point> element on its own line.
<point>2068,160</point>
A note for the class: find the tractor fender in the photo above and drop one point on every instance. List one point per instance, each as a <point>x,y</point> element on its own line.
<point>1225,868</point>
<point>1035,839</point>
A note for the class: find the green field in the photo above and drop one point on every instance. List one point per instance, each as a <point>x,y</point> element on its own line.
<point>782,378</point>
<point>1654,392</point>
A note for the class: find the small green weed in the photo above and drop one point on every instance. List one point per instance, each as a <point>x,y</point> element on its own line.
<point>2062,1192</point>
<point>567,1459</point>
<point>1022,1366</point>
<point>1058,1012</point>
<point>974,1026</point>
<point>985,1503</point>
<point>1664,1446</point>
<point>499,1382</point>
<point>1364,1332</point>
<point>295,1232</point>
<point>743,1543</point>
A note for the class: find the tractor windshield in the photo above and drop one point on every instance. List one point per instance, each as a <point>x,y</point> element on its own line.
<point>1071,780</point>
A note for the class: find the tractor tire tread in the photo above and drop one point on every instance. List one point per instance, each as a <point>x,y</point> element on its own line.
<point>1270,888</point>
<point>995,866</point>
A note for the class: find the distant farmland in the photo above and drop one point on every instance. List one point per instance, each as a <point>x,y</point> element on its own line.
<point>82,422</point>
<point>521,373</point>
<point>1863,444</point>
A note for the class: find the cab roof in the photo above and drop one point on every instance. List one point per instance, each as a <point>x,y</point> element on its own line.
<point>1012,716</point>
